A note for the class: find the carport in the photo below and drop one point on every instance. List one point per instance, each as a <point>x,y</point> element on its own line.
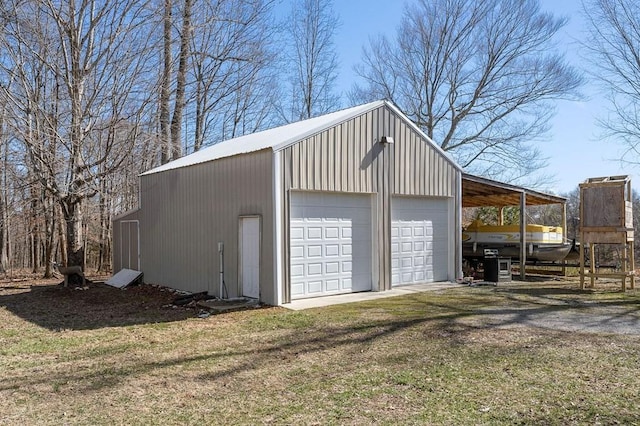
<point>482,192</point>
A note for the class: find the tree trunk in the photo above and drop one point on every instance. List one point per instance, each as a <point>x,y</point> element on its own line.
<point>181,82</point>
<point>62,234</point>
<point>199,120</point>
<point>165,129</point>
<point>105,231</point>
<point>4,217</point>
<point>4,260</point>
<point>72,214</point>
<point>50,230</point>
<point>34,234</point>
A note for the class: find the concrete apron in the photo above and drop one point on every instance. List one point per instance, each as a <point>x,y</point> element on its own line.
<point>318,302</point>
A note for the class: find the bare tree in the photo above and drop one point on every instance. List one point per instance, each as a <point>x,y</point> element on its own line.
<point>477,76</point>
<point>89,99</point>
<point>251,105</point>
<point>231,73</point>
<point>614,56</point>
<point>312,59</point>
<point>75,65</point>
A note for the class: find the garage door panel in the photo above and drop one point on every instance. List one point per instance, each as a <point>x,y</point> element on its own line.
<point>315,287</point>
<point>419,240</point>
<point>331,240</point>
<point>332,250</point>
<point>333,285</point>
<point>297,233</point>
<point>332,268</point>
<point>314,269</point>
<point>314,251</point>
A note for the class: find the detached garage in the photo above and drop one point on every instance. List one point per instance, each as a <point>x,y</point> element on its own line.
<point>357,200</point>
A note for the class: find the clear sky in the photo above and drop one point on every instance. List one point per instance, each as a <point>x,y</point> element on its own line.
<point>574,148</point>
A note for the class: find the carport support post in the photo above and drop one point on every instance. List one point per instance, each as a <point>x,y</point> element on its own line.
<point>564,236</point>
<point>523,234</point>
<point>592,263</point>
<point>632,265</point>
<point>582,244</point>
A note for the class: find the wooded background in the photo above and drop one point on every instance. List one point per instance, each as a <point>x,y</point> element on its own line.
<point>95,92</point>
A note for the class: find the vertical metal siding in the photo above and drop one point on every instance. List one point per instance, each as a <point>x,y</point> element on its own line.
<point>420,168</point>
<point>187,211</point>
<point>349,158</point>
<point>334,160</point>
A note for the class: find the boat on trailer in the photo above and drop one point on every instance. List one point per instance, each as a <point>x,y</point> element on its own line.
<point>544,243</point>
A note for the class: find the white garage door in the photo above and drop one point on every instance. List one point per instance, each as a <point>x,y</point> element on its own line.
<point>330,243</point>
<point>419,240</point>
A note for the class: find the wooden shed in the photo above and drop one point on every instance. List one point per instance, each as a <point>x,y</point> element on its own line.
<point>356,200</point>
<point>606,217</point>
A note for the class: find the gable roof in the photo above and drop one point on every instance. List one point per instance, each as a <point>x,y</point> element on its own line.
<point>281,137</point>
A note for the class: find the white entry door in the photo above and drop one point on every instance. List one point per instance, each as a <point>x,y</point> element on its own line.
<point>420,238</point>
<point>249,259</point>
<point>330,243</point>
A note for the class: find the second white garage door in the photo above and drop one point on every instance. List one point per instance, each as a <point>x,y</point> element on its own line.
<point>330,243</point>
<point>419,240</point>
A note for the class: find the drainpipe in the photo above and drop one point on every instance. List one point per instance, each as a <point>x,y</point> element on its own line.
<point>221,255</point>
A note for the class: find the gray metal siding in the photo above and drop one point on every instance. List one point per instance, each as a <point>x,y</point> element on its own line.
<point>346,158</point>
<point>420,168</point>
<point>118,238</point>
<point>187,211</point>
<point>349,158</point>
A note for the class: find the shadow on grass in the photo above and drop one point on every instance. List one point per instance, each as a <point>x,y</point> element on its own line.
<point>545,291</point>
<point>228,362</point>
<point>431,316</point>
<point>98,305</point>
<point>449,317</point>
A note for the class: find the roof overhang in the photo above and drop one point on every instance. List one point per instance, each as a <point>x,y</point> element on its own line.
<point>481,192</point>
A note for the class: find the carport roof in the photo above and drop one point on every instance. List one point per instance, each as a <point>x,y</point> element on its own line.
<point>480,192</point>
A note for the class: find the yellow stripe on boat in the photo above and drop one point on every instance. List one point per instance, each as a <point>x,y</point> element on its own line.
<point>477,232</point>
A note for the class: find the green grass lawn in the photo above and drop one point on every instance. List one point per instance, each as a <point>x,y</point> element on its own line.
<point>461,356</point>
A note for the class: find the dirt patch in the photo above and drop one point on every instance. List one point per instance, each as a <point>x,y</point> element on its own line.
<point>49,304</point>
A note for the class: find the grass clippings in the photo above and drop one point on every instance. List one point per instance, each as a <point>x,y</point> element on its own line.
<point>526,353</point>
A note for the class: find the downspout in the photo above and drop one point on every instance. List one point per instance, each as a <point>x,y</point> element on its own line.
<point>221,260</point>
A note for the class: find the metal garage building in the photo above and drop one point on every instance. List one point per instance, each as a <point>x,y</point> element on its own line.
<point>356,200</point>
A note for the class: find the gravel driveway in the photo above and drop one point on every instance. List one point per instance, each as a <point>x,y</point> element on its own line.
<point>563,306</point>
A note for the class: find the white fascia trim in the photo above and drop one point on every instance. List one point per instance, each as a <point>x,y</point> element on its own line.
<point>355,112</point>
<point>277,227</point>
<point>423,134</point>
<point>126,213</point>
